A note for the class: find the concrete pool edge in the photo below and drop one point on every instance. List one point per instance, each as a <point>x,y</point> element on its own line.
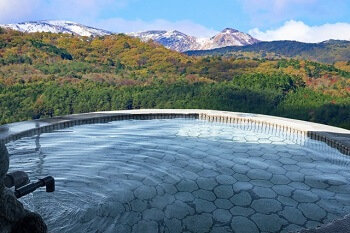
<point>337,138</point>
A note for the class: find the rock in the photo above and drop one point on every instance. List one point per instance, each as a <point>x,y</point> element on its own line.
<point>4,161</point>
<point>13,217</point>
<point>31,223</point>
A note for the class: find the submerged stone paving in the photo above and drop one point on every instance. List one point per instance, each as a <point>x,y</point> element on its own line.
<point>183,176</point>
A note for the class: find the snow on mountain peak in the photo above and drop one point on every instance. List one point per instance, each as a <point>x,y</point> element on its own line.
<point>181,42</point>
<point>173,39</point>
<point>229,30</point>
<point>57,26</point>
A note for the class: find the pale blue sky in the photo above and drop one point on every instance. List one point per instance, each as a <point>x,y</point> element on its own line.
<point>268,19</point>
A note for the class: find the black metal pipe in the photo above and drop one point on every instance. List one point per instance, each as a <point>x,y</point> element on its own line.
<point>17,179</point>
<point>48,181</point>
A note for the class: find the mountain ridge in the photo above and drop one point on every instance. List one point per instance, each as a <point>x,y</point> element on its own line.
<point>181,42</point>
<point>57,26</point>
<point>329,51</point>
<point>173,39</point>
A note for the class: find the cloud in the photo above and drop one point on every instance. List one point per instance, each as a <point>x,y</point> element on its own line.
<point>91,13</point>
<point>273,12</point>
<point>186,26</point>
<point>15,11</point>
<point>299,31</point>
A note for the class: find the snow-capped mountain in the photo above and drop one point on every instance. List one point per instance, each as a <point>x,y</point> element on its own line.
<point>229,37</point>
<point>57,26</point>
<point>181,42</point>
<point>174,40</point>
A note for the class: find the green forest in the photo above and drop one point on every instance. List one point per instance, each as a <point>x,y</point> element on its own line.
<point>45,74</point>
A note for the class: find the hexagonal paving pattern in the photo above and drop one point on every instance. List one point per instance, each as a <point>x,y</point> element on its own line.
<point>183,175</point>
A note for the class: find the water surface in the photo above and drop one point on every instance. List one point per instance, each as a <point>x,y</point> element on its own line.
<point>183,175</point>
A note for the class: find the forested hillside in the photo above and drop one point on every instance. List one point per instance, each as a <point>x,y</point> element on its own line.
<point>326,52</point>
<point>45,74</point>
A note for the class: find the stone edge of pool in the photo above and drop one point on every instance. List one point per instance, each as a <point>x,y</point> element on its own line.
<point>337,138</point>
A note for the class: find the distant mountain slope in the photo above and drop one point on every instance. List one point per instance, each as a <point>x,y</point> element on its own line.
<point>174,40</point>
<point>228,37</point>
<point>181,42</point>
<point>58,26</point>
<point>326,52</point>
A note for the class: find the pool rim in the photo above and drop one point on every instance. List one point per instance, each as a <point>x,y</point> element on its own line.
<point>334,137</point>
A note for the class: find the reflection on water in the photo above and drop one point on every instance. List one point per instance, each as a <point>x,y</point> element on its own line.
<point>183,175</point>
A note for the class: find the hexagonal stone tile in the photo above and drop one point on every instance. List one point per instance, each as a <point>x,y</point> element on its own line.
<point>243,225</point>
<point>173,225</point>
<point>222,215</point>
<point>184,196</point>
<point>206,183</point>
<point>330,205</point>
<point>169,188</point>
<point>304,196</point>
<point>204,194</point>
<point>186,186</point>
<point>219,229</point>
<point>280,179</point>
<point>336,179</point>
<point>299,185</point>
<point>138,205</point>
<point>243,211</point>
<point>323,193</point>
<point>178,210</point>
<point>276,169</point>
<point>266,206</point>
<point>145,192</point>
<point>314,182</point>
<point>121,229</point>
<point>263,192</point>
<point>193,167</point>
<point>153,214</point>
<point>286,160</point>
<point>293,168</point>
<point>130,218</point>
<point>198,223</point>
<point>340,189</point>
<point>190,175</point>
<point>145,226</point>
<point>270,155</point>
<point>207,173</point>
<point>291,228</point>
<point>225,179</point>
<point>240,186</point>
<point>204,206</point>
<point>253,152</point>
<point>310,171</point>
<point>295,176</point>
<point>283,190</point>
<point>312,224</point>
<point>257,163</point>
<point>287,201</point>
<point>241,177</point>
<point>268,223</point>
<point>262,183</point>
<point>293,215</point>
<point>259,174</point>
<point>223,204</point>
<point>159,201</point>
<point>343,198</point>
<point>223,191</point>
<point>240,168</point>
<point>312,211</point>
